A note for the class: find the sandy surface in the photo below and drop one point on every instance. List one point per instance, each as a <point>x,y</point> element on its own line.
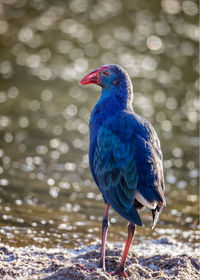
<point>156,259</point>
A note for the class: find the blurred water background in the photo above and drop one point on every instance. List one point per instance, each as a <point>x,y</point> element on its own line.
<point>47,195</point>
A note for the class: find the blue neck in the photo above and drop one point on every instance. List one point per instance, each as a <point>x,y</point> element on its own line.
<point>122,91</point>
<point>105,93</point>
<point>113,100</point>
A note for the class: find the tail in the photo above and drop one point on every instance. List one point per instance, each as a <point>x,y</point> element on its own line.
<point>155,214</point>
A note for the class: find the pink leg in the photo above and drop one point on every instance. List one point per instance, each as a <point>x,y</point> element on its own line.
<point>105,225</point>
<point>120,271</point>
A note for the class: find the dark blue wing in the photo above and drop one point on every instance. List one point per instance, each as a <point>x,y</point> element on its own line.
<point>149,162</point>
<point>116,173</point>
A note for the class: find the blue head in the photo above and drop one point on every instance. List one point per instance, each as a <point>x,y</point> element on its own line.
<point>114,81</point>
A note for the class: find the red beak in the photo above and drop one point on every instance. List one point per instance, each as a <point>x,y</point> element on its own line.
<point>93,77</point>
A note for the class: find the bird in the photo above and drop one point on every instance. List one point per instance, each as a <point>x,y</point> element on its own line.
<point>125,156</point>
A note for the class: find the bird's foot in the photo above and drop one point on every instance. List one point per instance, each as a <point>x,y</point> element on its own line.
<point>102,265</point>
<point>84,268</point>
<point>119,273</point>
<point>102,268</point>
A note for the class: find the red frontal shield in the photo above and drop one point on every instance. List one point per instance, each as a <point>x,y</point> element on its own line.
<point>93,77</point>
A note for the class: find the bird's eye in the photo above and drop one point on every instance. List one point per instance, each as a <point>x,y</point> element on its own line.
<point>106,73</point>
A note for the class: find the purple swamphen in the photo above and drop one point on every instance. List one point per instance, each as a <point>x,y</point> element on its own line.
<point>125,156</point>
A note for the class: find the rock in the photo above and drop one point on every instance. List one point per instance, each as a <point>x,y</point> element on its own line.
<point>62,264</point>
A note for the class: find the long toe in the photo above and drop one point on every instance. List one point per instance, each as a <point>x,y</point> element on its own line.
<point>83,268</point>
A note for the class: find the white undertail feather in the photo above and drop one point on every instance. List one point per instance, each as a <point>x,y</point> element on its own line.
<point>154,206</point>
<point>144,202</point>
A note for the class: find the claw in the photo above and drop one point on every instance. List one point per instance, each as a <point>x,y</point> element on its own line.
<point>83,268</point>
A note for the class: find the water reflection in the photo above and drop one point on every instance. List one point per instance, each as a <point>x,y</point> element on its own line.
<point>47,193</point>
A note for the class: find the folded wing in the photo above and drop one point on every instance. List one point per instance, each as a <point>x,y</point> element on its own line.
<point>126,161</point>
